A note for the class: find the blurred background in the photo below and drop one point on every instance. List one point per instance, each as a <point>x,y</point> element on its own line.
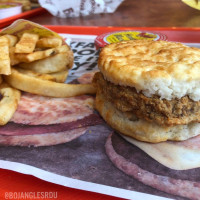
<point>143,13</point>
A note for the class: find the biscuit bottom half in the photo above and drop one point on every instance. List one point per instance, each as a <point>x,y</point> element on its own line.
<point>128,124</point>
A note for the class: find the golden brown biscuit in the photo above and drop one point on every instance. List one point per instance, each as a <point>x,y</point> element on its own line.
<point>167,69</point>
<point>150,90</point>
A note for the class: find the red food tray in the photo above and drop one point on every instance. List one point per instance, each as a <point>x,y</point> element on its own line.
<point>186,35</point>
<point>15,182</point>
<point>7,21</point>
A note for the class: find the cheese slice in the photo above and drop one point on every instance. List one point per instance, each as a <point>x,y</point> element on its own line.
<point>175,155</point>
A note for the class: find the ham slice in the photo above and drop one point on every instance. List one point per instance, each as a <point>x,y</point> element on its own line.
<point>21,129</point>
<point>42,139</point>
<point>37,110</point>
<point>43,121</point>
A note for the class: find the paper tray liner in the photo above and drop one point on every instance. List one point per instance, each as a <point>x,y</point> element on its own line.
<point>85,159</point>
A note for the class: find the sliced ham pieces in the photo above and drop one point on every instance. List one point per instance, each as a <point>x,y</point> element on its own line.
<point>13,129</point>
<point>42,139</point>
<point>43,121</point>
<point>37,110</point>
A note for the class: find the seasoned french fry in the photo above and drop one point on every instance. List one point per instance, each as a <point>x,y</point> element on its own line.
<point>37,55</point>
<point>8,103</point>
<point>51,64</point>
<point>4,56</point>
<point>47,88</point>
<point>36,75</point>
<point>49,42</point>
<point>13,59</point>
<point>62,49</point>
<point>12,40</point>
<point>27,43</point>
<point>59,77</point>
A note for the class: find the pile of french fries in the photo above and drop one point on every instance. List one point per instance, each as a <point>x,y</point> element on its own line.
<point>34,64</point>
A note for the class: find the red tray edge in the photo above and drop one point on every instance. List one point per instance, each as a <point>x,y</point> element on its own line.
<point>97,30</point>
<point>7,21</point>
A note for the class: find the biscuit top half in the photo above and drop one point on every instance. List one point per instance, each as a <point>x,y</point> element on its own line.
<point>167,69</point>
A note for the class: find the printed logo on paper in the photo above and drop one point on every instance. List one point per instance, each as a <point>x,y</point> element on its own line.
<point>133,35</point>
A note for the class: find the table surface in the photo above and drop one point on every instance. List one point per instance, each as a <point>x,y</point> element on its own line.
<point>131,13</point>
<point>143,13</point>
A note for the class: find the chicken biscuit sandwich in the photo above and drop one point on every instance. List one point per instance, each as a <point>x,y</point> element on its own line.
<point>150,90</point>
